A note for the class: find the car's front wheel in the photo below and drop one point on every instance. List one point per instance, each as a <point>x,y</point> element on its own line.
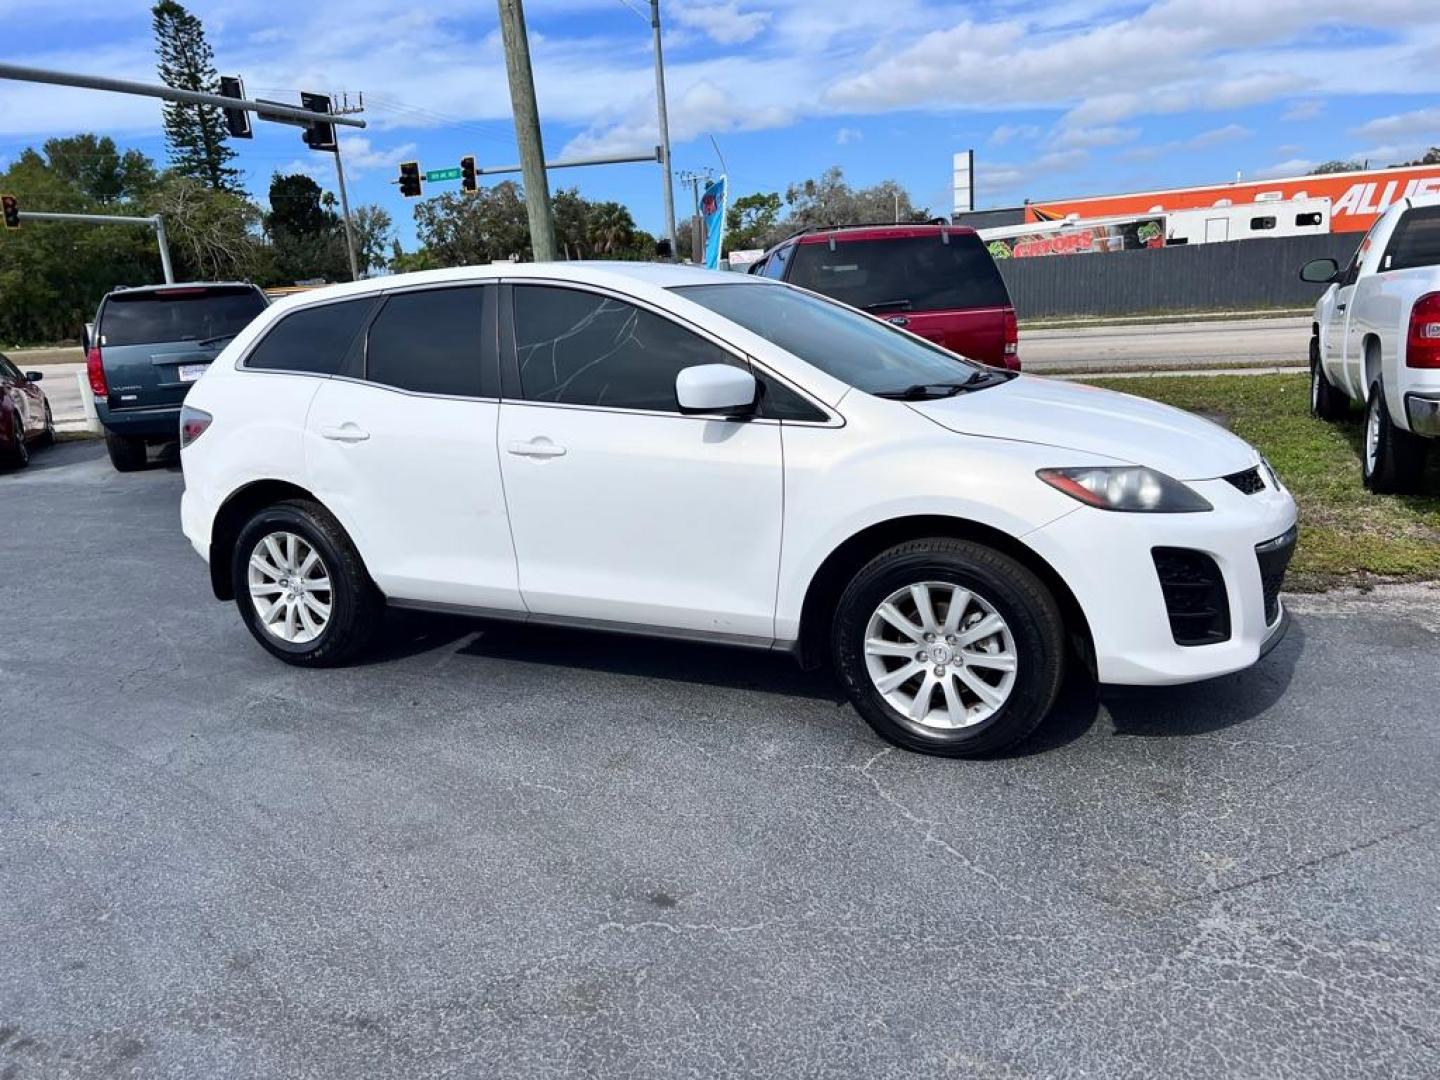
<point>47,437</point>
<point>949,647</point>
<point>1392,460</point>
<point>1326,403</point>
<point>301,586</point>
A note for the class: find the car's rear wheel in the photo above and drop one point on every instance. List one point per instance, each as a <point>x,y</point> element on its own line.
<point>949,647</point>
<point>301,586</point>
<point>1392,460</point>
<point>1326,403</point>
<point>127,453</point>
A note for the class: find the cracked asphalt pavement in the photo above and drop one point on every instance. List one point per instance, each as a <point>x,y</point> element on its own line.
<point>501,852</point>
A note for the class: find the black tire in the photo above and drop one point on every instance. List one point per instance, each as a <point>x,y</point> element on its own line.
<point>47,437</point>
<point>127,453</point>
<point>356,606</point>
<point>19,455</point>
<point>1016,594</point>
<point>1396,460</point>
<point>1326,403</point>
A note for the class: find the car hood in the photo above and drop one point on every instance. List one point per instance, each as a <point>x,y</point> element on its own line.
<point>1072,416</point>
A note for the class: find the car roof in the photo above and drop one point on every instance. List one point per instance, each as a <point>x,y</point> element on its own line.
<point>615,274</point>
<point>824,234</point>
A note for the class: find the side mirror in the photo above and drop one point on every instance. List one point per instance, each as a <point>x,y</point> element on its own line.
<point>1320,271</point>
<point>87,336</point>
<point>717,389</point>
<point>34,376</point>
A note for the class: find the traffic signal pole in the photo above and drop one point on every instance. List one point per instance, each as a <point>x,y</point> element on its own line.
<point>664,117</point>
<point>345,211</point>
<point>527,130</point>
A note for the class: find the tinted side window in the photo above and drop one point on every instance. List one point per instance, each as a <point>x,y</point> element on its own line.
<point>907,273</point>
<point>7,369</point>
<point>779,402</point>
<point>431,342</point>
<point>1416,240</point>
<point>312,340</point>
<point>582,348</point>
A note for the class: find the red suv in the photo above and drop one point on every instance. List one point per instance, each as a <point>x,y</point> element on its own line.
<point>937,281</point>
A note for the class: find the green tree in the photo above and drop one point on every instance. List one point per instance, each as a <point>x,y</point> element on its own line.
<point>750,220</point>
<point>307,239</point>
<point>1430,157</point>
<point>214,235</point>
<point>1334,167</point>
<point>96,167</point>
<point>829,200</point>
<point>195,135</point>
<point>374,234</point>
<point>457,229</point>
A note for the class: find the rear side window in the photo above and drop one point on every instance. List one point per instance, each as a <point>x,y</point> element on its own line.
<point>775,266</point>
<point>167,315</point>
<point>312,340</point>
<point>431,342</point>
<point>1416,241</point>
<point>582,348</point>
<point>907,273</point>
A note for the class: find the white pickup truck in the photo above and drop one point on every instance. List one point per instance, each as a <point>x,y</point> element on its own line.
<point>1376,340</point>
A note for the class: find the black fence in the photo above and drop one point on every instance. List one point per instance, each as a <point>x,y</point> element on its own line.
<point>1241,275</point>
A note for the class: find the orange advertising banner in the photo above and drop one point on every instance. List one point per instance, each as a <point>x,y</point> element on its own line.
<point>1356,198</point>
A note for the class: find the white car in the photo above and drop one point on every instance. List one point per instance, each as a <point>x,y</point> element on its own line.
<point>662,450</point>
<point>1376,340</point>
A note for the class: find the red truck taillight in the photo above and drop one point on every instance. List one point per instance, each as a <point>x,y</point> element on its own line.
<point>96,371</point>
<point>1012,340</point>
<point>1422,346</point>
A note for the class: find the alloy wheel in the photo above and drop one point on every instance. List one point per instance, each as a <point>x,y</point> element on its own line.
<point>1372,435</point>
<point>289,588</point>
<point>940,655</point>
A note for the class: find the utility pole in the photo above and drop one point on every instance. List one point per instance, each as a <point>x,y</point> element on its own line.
<point>345,211</point>
<point>527,129</point>
<point>664,127</point>
<point>697,237</point>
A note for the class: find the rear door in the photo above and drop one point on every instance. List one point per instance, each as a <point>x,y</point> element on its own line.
<point>941,285</point>
<point>402,446</point>
<point>155,343</point>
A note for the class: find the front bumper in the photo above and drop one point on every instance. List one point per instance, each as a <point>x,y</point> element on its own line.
<point>1106,560</point>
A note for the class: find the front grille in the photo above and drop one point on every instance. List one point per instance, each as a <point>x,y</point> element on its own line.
<point>1249,481</point>
<point>1195,598</point>
<point>1274,559</point>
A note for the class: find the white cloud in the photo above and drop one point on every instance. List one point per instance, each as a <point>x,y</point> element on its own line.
<point>724,23</point>
<point>1096,136</point>
<point>1420,124</point>
<point>1292,167</point>
<point>1305,109</point>
<point>1014,132</point>
<point>1217,136</point>
<point>846,135</point>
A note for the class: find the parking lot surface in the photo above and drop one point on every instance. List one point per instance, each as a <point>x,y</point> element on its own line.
<point>506,852</point>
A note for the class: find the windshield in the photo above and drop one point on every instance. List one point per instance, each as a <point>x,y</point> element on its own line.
<point>853,347</point>
<point>178,315</point>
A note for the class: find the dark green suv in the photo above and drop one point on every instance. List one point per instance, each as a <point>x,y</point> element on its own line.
<point>147,346</point>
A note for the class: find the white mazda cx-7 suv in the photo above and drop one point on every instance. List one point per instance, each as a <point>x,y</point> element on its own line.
<point>662,450</point>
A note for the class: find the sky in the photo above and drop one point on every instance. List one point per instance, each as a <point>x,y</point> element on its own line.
<point>1073,97</point>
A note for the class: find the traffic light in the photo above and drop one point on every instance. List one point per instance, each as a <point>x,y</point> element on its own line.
<point>410,179</point>
<point>318,135</point>
<point>467,174</point>
<point>11,205</point>
<point>236,120</point>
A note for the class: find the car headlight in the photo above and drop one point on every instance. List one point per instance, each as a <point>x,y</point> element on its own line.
<point>1128,488</point>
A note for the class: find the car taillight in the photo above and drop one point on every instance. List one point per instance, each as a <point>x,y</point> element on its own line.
<point>1422,347</point>
<point>96,371</point>
<point>193,424</point>
<point>1012,340</point>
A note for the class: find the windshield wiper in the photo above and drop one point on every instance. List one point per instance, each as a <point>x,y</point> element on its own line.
<point>882,305</point>
<point>924,391</point>
<point>214,340</point>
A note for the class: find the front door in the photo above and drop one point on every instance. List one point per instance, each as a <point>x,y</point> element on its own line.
<point>403,449</point>
<point>622,509</point>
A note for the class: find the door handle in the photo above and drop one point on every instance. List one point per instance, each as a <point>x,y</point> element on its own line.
<point>540,447</point>
<point>1339,307</point>
<point>347,432</point>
